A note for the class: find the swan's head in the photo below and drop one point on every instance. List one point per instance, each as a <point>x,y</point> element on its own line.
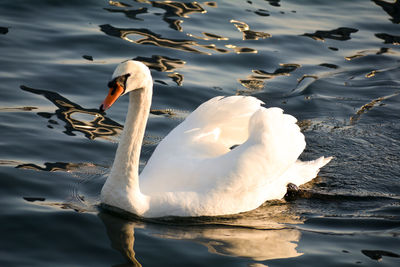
<point>129,75</point>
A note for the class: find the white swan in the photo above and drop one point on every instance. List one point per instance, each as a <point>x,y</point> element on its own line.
<point>193,171</point>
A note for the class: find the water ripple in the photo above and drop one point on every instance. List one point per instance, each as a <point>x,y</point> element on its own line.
<point>129,13</point>
<point>365,108</point>
<point>247,33</point>
<point>162,63</point>
<point>393,9</point>
<point>341,34</point>
<point>381,51</point>
<point>176,9</point>
<point>388,38</point>
<point>256,82</point>
<point>165,64</point>
<point>118,4</point>
<point>3,30</point>
<point>150,38</point>
<point>99,126</point>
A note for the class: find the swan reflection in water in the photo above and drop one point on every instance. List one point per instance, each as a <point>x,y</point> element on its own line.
<point>275,241</point>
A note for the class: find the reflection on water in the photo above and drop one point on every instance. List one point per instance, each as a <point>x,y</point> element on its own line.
<point>247,33</point>
<point>182,10</point>
<point>87,57</point>
<point>149,38</point>
<point>122,236</point>
<point>177,9</point>
<point>56,166</point>
<point>388,38</point>
<point>17,109</point>
<point>172,9</point>
<point>98,126</point>
<point>118,4</point>
<point>87,121</point>
<point>211,4</point>
<point>284,70</point>
<point>162,63</point>
<point>378,254</point>
<point>3,30</point>
<point>392,8</point>
<point>165,64</point>
<point>246,242</point>
<point>256,82</point>
<point>383,50</point>
<point>259,245</point>
<point>341,34</point>
<point>251,85</point>
<point>177,78</point>
<point>274,2</point>
<point>129,13</point>
<point>365,108</point>
<point>76,204</point>
<point>208,36</point>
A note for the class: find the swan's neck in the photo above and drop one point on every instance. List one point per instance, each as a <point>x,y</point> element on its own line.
<point>122,186</point>
<point>128,153</point>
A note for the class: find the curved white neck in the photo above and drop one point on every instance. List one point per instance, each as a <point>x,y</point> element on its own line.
<point>128,152</point>
<point>122,186</point>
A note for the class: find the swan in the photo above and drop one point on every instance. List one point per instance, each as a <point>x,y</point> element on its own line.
<point>228,156</point>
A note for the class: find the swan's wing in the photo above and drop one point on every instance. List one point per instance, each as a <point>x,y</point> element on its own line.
<point>240,179</point>
<point>215,126</point>
<point>221,121</point>
<point>208,132</point>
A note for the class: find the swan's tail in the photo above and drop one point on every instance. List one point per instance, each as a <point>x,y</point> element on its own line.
<point>304,171</point>
<point>283,142</point>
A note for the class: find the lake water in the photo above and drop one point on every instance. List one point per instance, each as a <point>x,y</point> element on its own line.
<point>335,65</point>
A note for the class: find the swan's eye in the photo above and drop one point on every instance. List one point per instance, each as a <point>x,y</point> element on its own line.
<point>111,83</point>
<point>122,80</point>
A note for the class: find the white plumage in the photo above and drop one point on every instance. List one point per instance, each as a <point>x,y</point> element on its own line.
<point>194,171</point>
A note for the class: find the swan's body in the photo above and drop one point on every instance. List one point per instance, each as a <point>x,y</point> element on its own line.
<point>193,171</point>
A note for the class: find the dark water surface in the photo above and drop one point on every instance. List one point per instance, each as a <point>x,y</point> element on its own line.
<point>335,65</point>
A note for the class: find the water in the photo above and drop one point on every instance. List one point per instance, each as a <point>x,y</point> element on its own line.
<point>334,65</point>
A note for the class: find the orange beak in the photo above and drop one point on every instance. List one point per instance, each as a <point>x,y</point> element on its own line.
<point>112,96</point>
